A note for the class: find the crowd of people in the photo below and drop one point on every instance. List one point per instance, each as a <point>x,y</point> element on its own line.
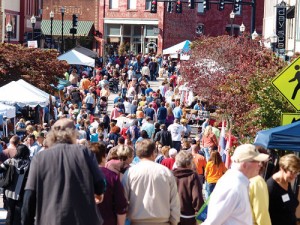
<point>140,164</point>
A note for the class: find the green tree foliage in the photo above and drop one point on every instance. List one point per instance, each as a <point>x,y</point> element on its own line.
<point>37,66</point>
<point>235,74</point>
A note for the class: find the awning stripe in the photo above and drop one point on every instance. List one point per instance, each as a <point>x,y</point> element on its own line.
<point>83,28</point>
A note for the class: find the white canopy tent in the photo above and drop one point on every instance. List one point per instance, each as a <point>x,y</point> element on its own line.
<point>74,57</point>
<point>8,112</point>
<point>181,48</point>
<point>35,89</point>
<point>14,93</point>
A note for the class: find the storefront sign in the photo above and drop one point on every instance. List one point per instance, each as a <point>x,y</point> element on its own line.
<point>114,40</point>
<point>281,26</point>
<point>32,44</point>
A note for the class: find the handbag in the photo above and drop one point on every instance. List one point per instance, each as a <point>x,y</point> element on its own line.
<point>8,176</point>
<point>202,214</point>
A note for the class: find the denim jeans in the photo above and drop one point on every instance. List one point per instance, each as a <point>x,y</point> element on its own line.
<point>210,187</point>
<point>177,145</point>
<point>206,153</point>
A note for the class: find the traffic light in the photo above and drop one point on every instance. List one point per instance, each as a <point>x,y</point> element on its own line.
<point>206,5</point>
<point>170,7</point>
<point>153,6</point>
<point>191,4</point>
<point>221,5</point>
<point>178,7</point>
<point>75,20</point>
<point>236,5</point>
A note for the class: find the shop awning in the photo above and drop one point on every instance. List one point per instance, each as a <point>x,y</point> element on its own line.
<point>84,28</point>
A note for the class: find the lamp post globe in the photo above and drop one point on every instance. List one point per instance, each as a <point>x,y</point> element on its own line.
<point>33,21</point>
<point>51,28</point>
<point>254,35</point>
<point>8,30</point>
<point>242,28</point>
<point>62,10</point>
<point>273,40</point>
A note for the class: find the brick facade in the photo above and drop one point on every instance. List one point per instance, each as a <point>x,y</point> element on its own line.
<point>173,28</point>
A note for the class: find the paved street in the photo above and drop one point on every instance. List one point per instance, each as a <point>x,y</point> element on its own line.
<point>2,212</point>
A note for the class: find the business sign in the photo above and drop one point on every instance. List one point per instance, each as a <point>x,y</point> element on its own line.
<point>281,26</point>
<point>32,44</point>
<point>288,83</point>
<point>288,118</point>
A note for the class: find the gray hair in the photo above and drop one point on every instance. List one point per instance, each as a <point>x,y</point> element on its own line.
<point>184,159</point>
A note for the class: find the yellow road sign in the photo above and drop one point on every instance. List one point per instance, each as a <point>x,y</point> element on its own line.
<point>288,83</point>
<point>288,118</point>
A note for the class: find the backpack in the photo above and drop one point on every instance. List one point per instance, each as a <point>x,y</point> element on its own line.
<point>7,177</point>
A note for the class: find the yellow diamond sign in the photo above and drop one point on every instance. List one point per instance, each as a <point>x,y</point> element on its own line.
<point>288,83</point>
<point>288,118</point>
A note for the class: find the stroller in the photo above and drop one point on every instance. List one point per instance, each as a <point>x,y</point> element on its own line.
<point>102,105</point>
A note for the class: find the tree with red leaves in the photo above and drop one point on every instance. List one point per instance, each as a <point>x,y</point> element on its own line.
<point>39,67</point>
<point>234,74</point>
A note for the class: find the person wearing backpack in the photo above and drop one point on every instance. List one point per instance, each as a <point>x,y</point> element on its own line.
<point>14,190</point>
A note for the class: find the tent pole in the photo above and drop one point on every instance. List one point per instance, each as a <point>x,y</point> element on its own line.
<point>15,125</point>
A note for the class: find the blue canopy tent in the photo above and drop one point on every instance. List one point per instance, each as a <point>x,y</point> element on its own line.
<point>283,138</point>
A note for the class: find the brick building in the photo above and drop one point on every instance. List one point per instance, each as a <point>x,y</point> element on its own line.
<point>130,24</point>
<point>18,14</point>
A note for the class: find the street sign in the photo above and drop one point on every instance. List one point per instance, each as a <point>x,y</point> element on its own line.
<point>288,118</point>
<point>288,83</point>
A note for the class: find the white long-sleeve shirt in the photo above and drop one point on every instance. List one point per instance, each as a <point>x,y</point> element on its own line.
<point>229,202</point>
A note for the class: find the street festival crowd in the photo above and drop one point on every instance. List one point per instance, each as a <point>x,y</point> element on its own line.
<point>139,164</point>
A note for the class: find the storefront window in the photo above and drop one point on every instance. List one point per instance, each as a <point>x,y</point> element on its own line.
<point>137,31</point>
<point>150,30</point>
<point>113,29</point>
<point>127,30</point>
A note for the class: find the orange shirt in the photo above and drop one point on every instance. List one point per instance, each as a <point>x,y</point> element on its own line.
<point>200,163</point>
<point>213,172</point>
<point>85,83</point>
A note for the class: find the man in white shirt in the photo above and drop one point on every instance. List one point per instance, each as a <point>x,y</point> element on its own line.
<point>145,71</point>
<point>127,106</point>
<point>229,202</point>
<point>177,131</point>
<point>169,94</point>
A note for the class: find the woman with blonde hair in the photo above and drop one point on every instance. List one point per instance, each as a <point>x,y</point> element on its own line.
<point>214,170</point>
<point>283,202</point>
<point>140,115</point>
<point>120,160</point>
<point>209,141</point>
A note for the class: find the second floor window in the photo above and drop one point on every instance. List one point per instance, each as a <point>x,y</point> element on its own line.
<point>200,8</point>
<point>131,4</point>
<point>113,4</point>
<point>148,4</point>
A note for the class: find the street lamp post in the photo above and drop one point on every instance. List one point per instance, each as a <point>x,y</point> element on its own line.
<point>33,21</point>
<point>242,28</point>
<point>273,40</point>
<point>62,10</point>
<point>8,30</point>
<point>51,24</point>
<point>232,15</point>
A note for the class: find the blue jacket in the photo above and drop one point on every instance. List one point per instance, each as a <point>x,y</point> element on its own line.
<point>161,113</point>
